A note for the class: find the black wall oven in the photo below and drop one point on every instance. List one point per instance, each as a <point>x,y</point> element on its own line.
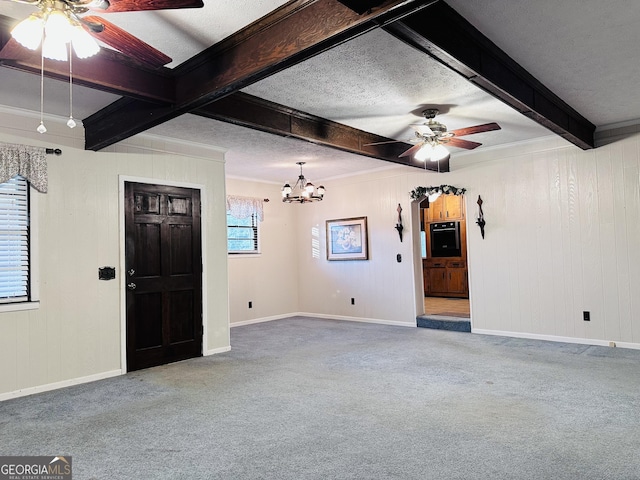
<point>445,239</point>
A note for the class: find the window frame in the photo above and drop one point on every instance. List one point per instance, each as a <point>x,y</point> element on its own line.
<point>256,237</point>
<point>33,296</point>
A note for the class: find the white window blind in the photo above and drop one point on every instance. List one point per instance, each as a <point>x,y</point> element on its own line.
<point>242,234</point>
<point>244,215</point>
<point>14,240</point>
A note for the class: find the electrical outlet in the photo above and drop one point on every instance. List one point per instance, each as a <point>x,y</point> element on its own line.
<point>353,301</point>
<point>586,316</point>
<point>250,304</point>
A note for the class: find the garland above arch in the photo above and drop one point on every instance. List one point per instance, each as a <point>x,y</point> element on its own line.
<point>421,192</point>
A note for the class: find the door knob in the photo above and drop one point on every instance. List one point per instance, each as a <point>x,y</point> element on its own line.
<point>131,286</point>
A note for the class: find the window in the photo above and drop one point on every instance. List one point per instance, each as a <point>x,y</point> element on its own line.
<point>15,258</point>
<point>242,234</point>
<point>244,215</point>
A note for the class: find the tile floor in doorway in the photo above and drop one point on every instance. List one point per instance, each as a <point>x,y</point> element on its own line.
<point>451,307</point>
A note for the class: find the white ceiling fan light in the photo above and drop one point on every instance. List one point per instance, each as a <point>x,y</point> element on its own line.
<point>84,44</point>
<point>28,32</point>
<point>55,28</point>
<point>439,153</point>
<point>424,153</point>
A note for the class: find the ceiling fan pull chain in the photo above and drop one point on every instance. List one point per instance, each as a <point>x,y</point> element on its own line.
<point>41,128</point>
<point>71,123</point>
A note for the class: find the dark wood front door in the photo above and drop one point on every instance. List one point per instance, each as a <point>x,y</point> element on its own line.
<point>163,274</point>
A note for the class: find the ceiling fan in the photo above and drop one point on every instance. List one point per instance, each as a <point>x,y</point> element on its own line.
<point>71,12</point>
<point>432,136</point>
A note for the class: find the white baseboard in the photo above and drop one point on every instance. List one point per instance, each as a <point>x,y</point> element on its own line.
<point>263,319</point>
<point>555,338</point>
<point>359,319</point>
<point>214,351</point>
<point>54,386</point>
<point>326,316</point>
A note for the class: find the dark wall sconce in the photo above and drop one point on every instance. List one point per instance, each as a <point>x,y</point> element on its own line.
<point>480,221</point>
<point>399,226</point>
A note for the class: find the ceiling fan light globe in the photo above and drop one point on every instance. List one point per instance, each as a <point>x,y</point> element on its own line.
<point>54,50</point>
<point>28,32</point>
<point>434,196</point>
<point>439,153</point>
<point>99,4</point>
<point>424,153</point>
<point>321,190</point>
<point>84,44</point>
<point>58,27</point>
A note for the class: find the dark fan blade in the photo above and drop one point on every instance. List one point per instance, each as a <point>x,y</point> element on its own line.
<point>487,127</point>
<point>380,143</point>
<point>126,43</point>
<point>411,151</point>
<point>138,5</point>
<point>460,143</point>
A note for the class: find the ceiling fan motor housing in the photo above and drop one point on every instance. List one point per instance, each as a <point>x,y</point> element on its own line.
<point>438,128</point>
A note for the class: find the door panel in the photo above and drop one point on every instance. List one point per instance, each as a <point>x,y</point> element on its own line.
<point>147,249</point>
<point>164,274</point>
<point>181,242</point>
<point>181,329</point>
<point>148,318</point>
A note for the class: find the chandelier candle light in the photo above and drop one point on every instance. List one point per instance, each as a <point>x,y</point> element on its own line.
<point>57,28</point>
<point>302,191</point>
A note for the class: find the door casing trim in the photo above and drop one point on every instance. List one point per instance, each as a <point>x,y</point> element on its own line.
<point>122,179</point>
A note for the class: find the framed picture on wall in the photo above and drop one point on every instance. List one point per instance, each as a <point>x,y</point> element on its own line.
<point>347,239</point>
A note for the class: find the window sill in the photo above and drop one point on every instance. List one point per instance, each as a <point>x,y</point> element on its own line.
<point>244,255</point>
<point>16,307</point>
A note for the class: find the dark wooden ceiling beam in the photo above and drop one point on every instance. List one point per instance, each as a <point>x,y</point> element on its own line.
<point>289,35</point>
<point>108,71</point>
<point>445,35</point>
<point>259,114</point>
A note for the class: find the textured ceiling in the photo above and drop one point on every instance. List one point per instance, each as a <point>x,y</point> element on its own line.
<point>585,51</point>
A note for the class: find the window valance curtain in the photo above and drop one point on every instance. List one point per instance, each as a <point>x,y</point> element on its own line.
<point>244,207</point>
<point>29,162</point>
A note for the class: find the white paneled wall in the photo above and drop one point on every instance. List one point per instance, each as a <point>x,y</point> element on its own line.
<point>268,280</point>
<point>382,288</point>
<point>562,237</point>
<point>76,334</point>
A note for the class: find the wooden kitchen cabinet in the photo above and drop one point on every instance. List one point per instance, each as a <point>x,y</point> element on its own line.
<point>446,278</point>
<point>437,277</point>
<point>446,208</point>
<point>457,278</point>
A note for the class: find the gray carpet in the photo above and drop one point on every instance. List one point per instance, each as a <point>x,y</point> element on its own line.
<point>319,399</point>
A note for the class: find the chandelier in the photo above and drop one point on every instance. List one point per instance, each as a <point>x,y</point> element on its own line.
<point>302,191</point>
